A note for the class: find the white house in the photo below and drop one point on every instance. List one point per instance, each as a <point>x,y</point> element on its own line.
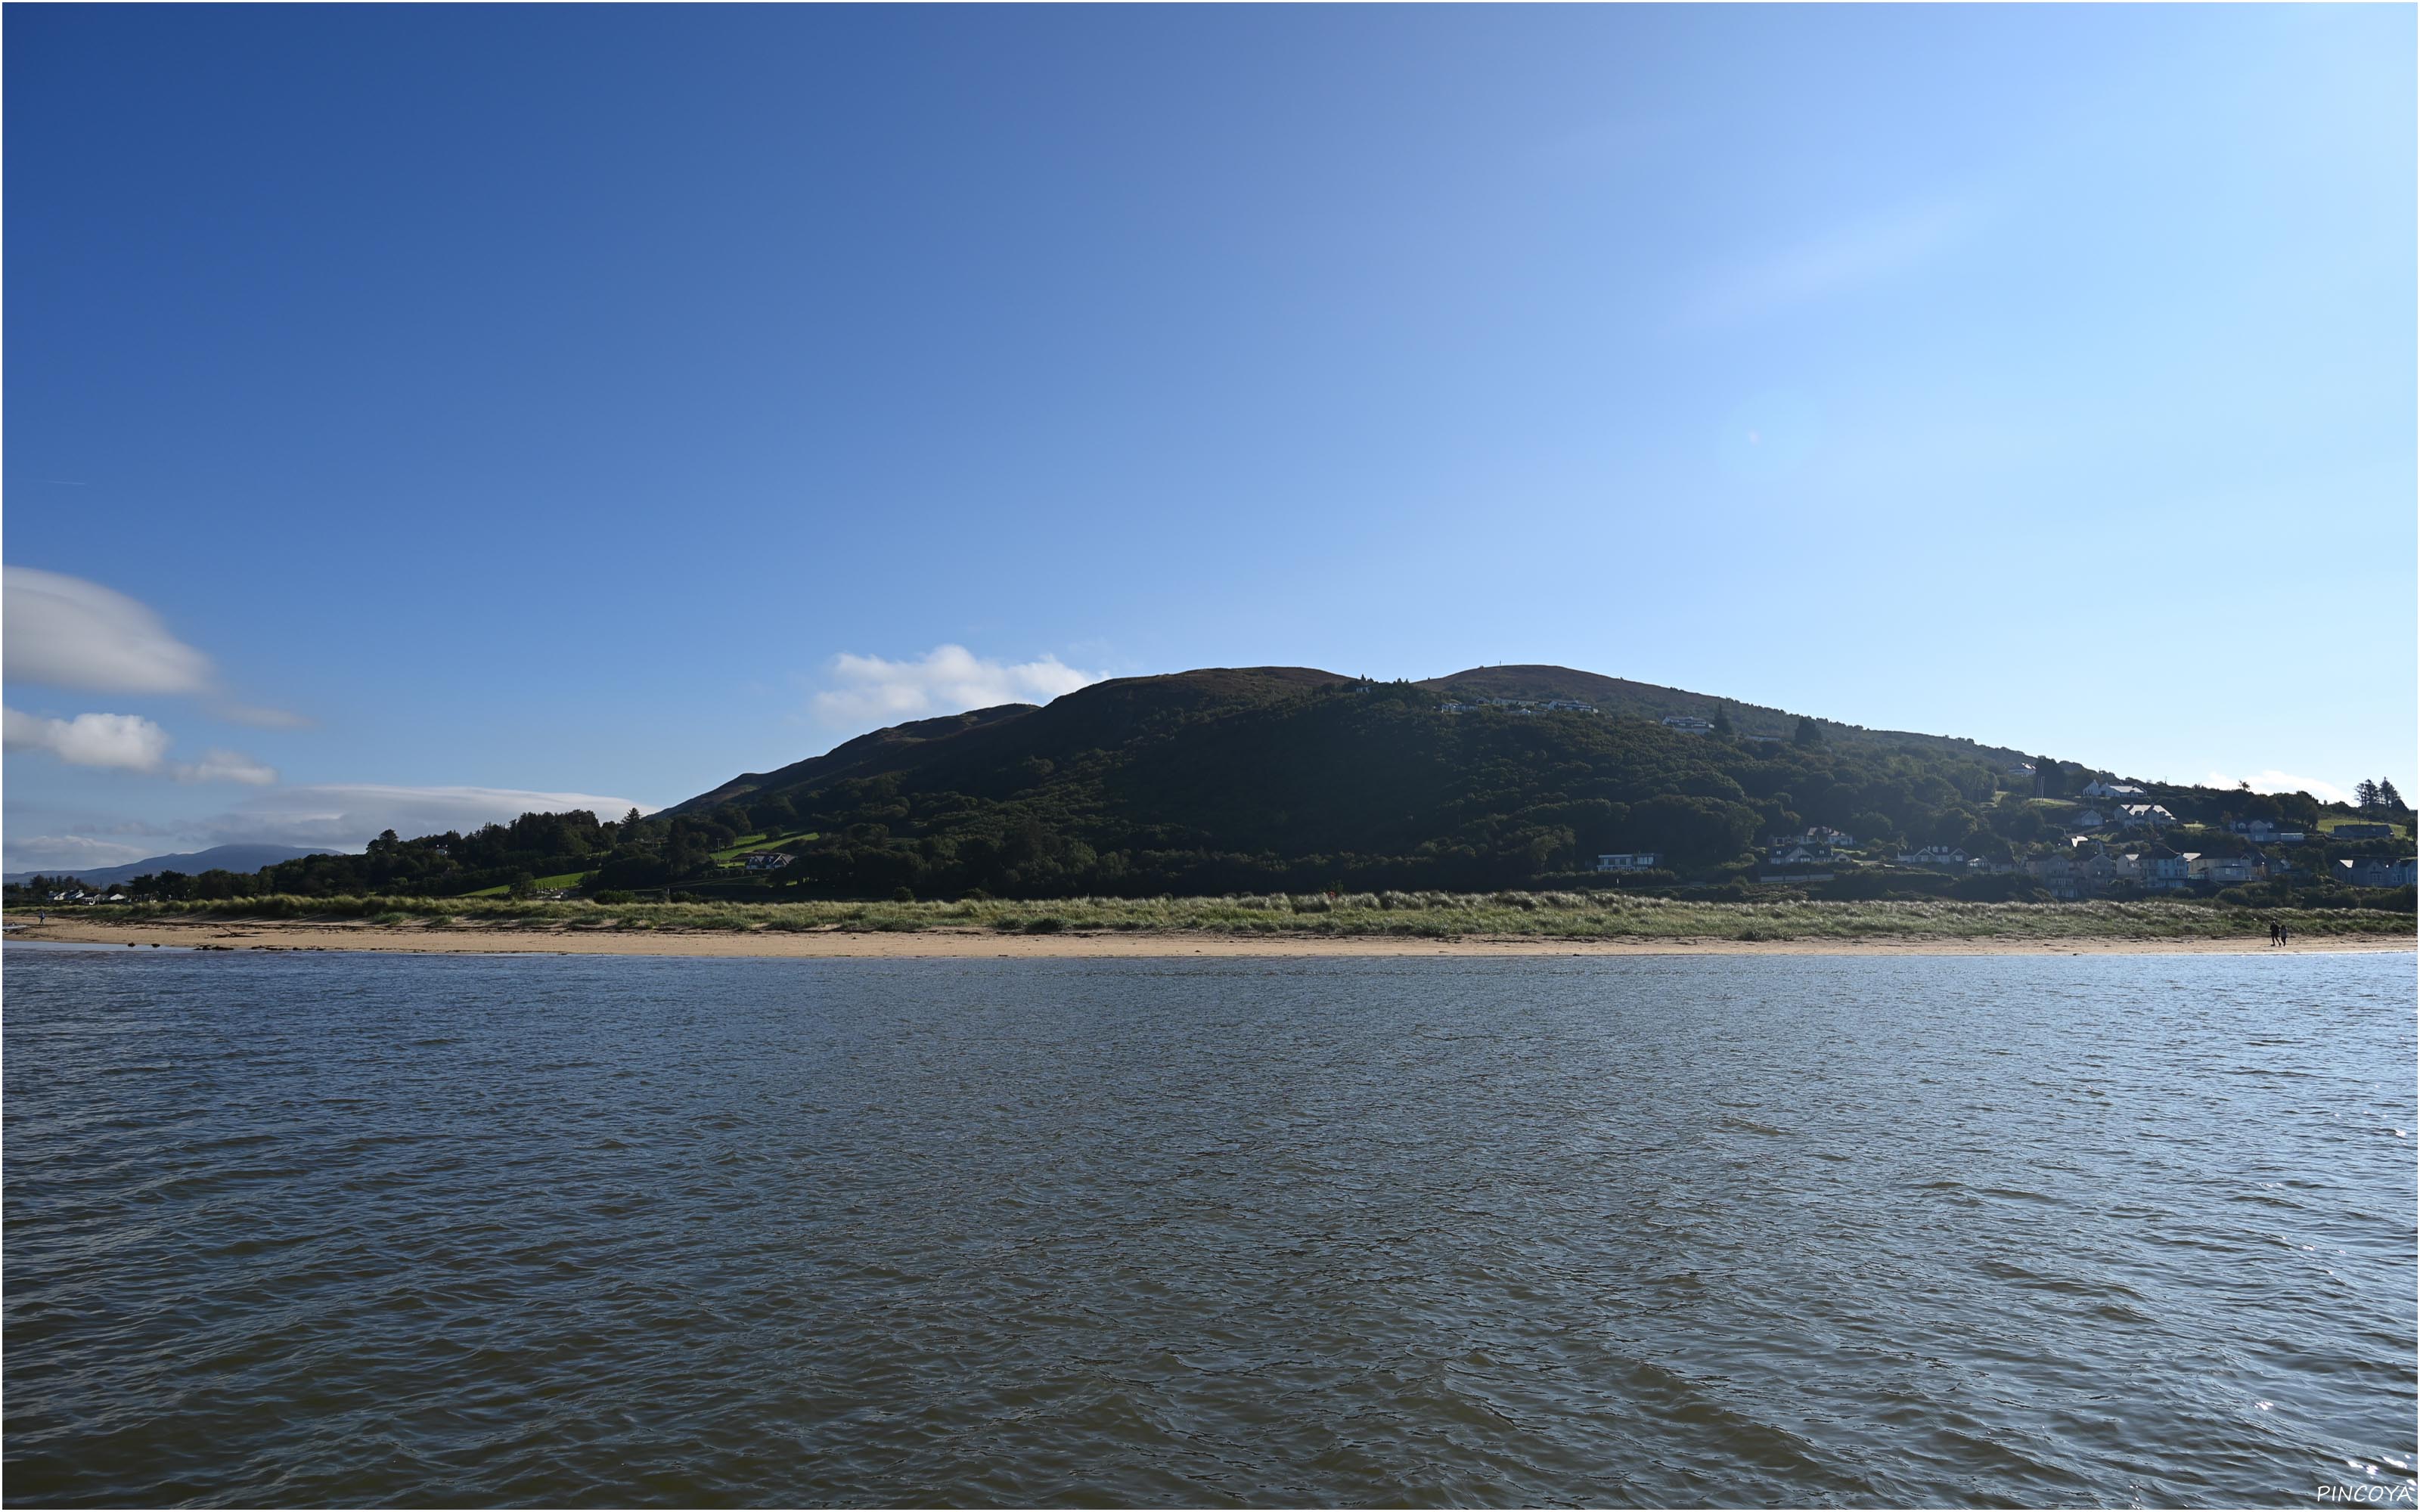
<point>1630,861</point>
<point>2223,870</point>
<point>1688,724</point>
<point>2098,789</point>
<point>2146,813</point>
<point>767,860</point>
<point>2091,819</point>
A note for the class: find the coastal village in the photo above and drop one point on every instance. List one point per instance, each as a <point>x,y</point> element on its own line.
<point>2113,838</point>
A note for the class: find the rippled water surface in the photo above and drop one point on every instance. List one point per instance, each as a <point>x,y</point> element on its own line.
<point>356,1228</point>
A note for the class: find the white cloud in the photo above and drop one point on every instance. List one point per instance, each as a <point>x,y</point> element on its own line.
<point>227,767</point>
<point>126,742</point>
<point>64,853</point>
<point>1839,259</point>
<point>349,815</point>
<point>70,633</point>
<point>874,690</point>
<point>2277,781</point>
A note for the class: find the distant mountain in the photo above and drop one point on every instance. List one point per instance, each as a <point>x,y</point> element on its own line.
<point>238,859</point>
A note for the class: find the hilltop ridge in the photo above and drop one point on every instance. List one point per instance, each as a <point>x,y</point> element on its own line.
<point>1259,779</point>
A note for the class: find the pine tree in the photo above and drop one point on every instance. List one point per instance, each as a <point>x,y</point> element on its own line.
<point>2366,795</point>
<point>1807,733</point>
<point>2388,797</point>
<point>1723,722</point>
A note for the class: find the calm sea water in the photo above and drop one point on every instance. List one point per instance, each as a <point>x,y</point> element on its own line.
<point>355,1228</point>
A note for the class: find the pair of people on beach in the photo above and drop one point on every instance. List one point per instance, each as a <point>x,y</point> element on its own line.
<point>2276,933</point>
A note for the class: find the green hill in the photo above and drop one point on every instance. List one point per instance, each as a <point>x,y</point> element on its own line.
<point>1229,778</point>
<point>1261,778</point>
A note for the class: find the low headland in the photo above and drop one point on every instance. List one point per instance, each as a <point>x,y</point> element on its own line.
<point>1500,923</point>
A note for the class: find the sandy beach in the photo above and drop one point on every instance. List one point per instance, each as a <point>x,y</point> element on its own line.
<point>959,943</point>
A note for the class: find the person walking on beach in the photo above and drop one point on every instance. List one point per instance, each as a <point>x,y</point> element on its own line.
<point>2273,932</point>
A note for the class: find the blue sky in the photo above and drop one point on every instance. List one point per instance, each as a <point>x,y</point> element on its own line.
<point>414,414</point>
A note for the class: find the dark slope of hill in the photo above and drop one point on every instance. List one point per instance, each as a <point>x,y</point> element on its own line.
<point>1618,695</point>
<point>1233,779</point>
<point>1103,714</point>
<point>239,858</point>
<point>877,750</point>
<point>1252,779</point>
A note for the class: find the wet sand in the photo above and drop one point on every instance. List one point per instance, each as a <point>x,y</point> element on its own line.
<point>958,944</point>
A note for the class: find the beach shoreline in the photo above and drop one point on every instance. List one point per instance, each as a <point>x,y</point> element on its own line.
<point>843,943</point>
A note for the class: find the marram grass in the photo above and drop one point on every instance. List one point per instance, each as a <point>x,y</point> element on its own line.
<point>1415,914</point>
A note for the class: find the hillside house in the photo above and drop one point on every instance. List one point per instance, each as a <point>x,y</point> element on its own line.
<point>1688,724</point>
<point>2163,870</point>
<point>2091,819</point>
<point>2262,832</point>
<point>2223,870</point>
<point>2150,814</point>
<point>1571,706</point>
<point>2061,873</point>
<point>2364,832</point>
<point>2098,789</point>
<point>1630,861</point>
<point>2375,873</point>
<point>1942,858</point>
<point>767,860</point>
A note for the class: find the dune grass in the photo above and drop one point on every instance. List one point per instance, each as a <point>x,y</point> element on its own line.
<point>1409,914</point>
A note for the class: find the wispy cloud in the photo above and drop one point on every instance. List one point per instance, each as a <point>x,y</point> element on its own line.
<point>64,853</point>
<point>875,690</point>
<point>2277,781</point>
<point>260,717</point>
<point>123,742</point>
<point>227,767</point>
<point>67,632</point>
<point>1832,261</point>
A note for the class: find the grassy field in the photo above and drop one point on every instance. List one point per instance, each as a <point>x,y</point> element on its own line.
<point>2403,831</point>
<point>1414,915</point>
<point>561,879</point>
<point>746,844</point>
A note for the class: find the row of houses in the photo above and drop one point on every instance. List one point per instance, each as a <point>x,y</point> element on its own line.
<point>2126,816</point>
<point>1518,705</point>
<point>2262,832</point>
<point>2091,867</point>
<point>79,896</point>
<point>2080,871</point>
